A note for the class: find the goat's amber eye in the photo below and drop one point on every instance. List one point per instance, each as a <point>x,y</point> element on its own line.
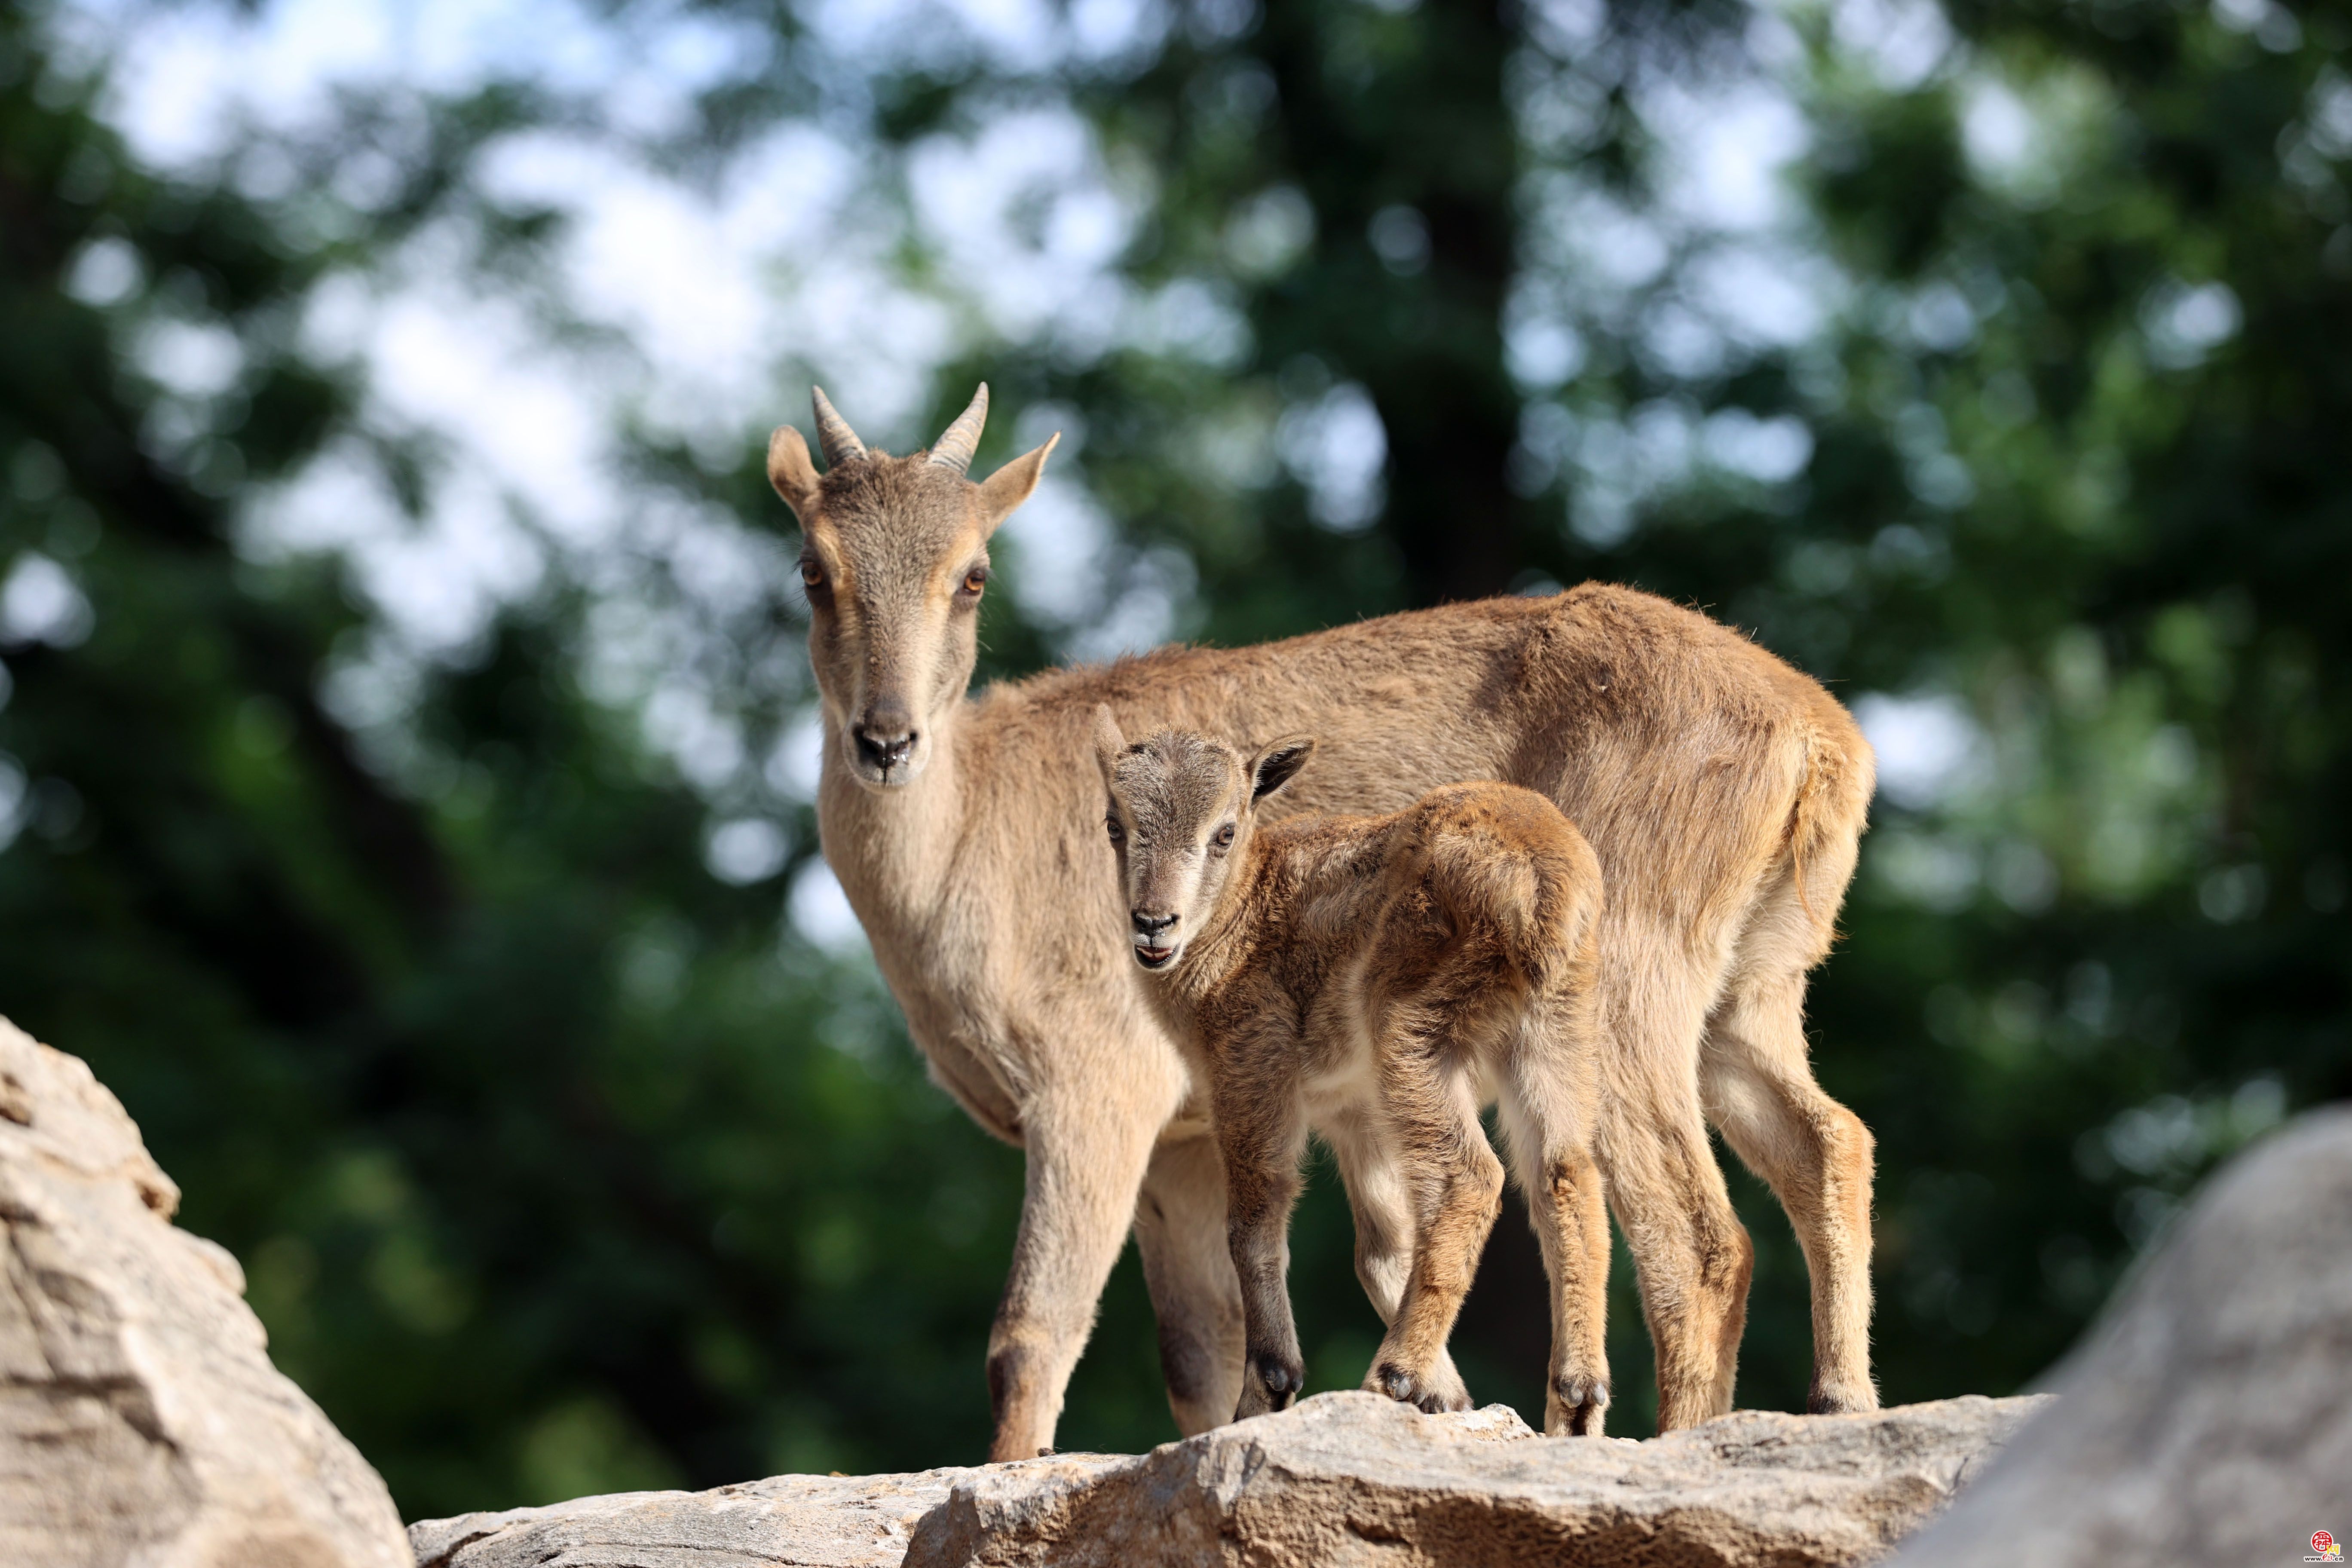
<point>811,575</point>
<point>1224,838</point>
<point>975,579</point>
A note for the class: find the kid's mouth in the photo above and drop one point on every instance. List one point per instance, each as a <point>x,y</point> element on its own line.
<point>1153,957</point>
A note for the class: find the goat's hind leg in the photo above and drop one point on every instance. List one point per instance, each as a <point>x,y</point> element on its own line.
<point>1547,1115</point>
<point>1691,1256</point>
<point>1455,1186</point>
<point>1385,1228</point>
<point>1815,1153</point>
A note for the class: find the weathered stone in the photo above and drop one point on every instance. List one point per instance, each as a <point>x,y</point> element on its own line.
<point>1344,1478</point>
<point>790,1521</point>
<point>2208,1418</point>
<point>140,1422</point>
<point>1353,1478</point>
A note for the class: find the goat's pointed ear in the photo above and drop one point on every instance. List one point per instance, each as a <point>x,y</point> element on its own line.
<point>1278,764</point>
<point>1108,740</point>
<point>1012,484</point>
<point>790,470</point>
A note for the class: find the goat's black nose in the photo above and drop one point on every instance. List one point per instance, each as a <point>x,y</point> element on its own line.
<point>886,751</point>
<point>1149,925</point>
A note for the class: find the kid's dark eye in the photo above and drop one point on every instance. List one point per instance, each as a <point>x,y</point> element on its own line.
<point>1224,837</point>
<point>1112,826</point>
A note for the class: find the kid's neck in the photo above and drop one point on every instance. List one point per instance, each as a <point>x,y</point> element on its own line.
<point>1211,960</point>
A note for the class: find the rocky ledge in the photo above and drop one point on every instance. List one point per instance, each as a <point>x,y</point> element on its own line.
<point>1343,1479</point>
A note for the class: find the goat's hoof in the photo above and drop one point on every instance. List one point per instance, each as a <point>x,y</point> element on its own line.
<point>1422,1392</point>
<point>1276,1379</point>
<point>1827,1399</point>
<point>1577,1406</point>
<point>1446,1383</point>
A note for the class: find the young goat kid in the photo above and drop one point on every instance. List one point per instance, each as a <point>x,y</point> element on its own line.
<point>1378,978</point>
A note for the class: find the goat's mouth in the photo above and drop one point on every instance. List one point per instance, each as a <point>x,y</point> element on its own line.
<point>1154,957</point>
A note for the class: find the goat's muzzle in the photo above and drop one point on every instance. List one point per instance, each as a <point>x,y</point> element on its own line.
<point>1152,949</point>
<point>885,739</point>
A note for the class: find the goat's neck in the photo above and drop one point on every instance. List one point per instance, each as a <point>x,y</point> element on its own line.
<point>893,850</point>
<point>1232,933</point>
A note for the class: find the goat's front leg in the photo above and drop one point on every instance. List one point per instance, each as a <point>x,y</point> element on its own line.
<point>1086,1160</point>
<point>1261,1137</point>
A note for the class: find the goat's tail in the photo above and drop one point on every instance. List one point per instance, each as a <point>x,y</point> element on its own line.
<point>1837,775</point>
<point>1517,868</point>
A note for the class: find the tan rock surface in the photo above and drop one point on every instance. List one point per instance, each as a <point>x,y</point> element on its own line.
<point>788,1521</point>
<point>140,1422</point>
<point>1348,1479</point>
<point>2208,1418</point>
<point>1344,1478</point>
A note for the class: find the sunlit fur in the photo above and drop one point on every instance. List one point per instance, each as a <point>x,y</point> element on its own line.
<point>1377,979</point>
<point>1723,790</point>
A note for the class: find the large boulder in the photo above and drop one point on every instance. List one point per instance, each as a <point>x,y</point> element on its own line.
<point>787,1521</point>
<point>2208,1418</point>
<point>1356,1478</point>
<point>1342,1478</point>
<point>140,1422</point>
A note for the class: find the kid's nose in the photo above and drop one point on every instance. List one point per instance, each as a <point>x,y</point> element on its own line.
<point>1149,925</point>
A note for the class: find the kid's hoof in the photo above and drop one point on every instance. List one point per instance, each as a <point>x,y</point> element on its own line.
<point>1576,1407</point>
<point>1423,1394</point>
<point>1446,1385</point>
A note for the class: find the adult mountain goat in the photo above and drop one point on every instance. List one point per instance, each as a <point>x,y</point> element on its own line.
<point>1724,792</point>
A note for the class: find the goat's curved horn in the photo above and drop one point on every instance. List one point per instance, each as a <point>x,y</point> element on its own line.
<point>956,443</point>
<point>832,433</point>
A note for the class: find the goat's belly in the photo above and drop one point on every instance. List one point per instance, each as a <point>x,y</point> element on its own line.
<point>1340,1071</point>
<point>1341,1075</point>
<point>1348,1088</point>
<point>1341,1080</point>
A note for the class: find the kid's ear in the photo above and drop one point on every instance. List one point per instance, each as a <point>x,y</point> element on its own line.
<point>1010,485</point>
<point>1108,741</point>
<point>790,470</point>
<point>1278,764</point>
